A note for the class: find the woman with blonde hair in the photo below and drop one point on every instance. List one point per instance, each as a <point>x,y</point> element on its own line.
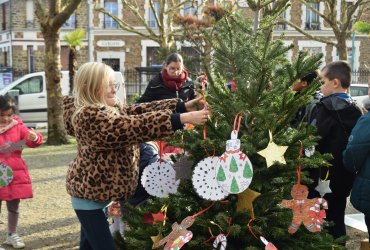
<point>108,135</point>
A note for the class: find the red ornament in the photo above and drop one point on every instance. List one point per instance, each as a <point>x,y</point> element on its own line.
<point>153,219</point>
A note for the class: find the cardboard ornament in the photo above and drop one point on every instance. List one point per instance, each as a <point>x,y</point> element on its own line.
<point>179,235</point>
<point>6,175</point>
<point>300,206</point>
<point>234,170</point>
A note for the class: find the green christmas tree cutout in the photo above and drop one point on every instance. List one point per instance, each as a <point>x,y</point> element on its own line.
<point>234,188</point>
<point>233,165</point>
<point>247,173</point>
<point>221,174</point>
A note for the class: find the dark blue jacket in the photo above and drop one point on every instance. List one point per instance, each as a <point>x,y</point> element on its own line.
<point>335,119</point>
<point>356,159</point>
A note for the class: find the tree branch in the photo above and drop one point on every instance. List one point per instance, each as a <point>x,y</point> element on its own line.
<point>319,39</point>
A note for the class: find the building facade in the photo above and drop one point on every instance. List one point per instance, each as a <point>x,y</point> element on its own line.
<point>22,46</point>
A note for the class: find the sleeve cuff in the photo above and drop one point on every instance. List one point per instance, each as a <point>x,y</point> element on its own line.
<point>176,122</point>
<point>180,107</point>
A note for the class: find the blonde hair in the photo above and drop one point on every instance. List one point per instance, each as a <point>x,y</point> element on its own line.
<point>88,85</point>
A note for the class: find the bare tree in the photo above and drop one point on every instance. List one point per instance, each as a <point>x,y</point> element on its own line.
<point>340,22</point>
<point>164,12</point>
<point>51,17</point>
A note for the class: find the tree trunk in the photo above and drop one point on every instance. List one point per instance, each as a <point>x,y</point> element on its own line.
<point>342,48</point>
<point>56,132</point>
<point>72,67</point>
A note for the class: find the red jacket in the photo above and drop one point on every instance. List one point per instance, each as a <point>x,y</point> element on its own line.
<point>20,187</point>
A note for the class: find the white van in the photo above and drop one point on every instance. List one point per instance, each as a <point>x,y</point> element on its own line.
<point>31,91</point>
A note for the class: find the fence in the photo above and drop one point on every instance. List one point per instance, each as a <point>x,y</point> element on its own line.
<point>361,76</point>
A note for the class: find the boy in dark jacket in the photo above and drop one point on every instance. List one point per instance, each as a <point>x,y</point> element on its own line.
<point>336,116</point>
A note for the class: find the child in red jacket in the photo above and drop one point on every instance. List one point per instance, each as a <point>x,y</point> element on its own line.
<point>15,181</point>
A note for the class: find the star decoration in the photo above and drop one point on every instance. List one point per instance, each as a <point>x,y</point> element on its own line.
<point>183,167</point>
<point>155,239</point>
<point>245,201</point>
<point>323,187</point>
<point>273,152</point>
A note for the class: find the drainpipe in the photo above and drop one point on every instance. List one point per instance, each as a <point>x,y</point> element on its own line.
<point>10,35</point>
<point>89,34</point>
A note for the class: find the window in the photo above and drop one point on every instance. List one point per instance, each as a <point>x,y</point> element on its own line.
<point>29,14</point>
<point>30,59</point>
<point>281,26</point>
<point>312,18</point>
<point>71,22</point>
<point>191,59</point>
<point>152,56</point>
<point>3,10</point>
<point>112,62</point>
<point>313,50</point>
<point>32,85</point>
<point>189,9</point>
<point>151,20</point>
<point>112,7</point>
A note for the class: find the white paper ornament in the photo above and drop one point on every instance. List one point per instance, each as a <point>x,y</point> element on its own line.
<point>204,180</point>
<point>309,151</point>
<point>234,170</point>
<point>159,179</point>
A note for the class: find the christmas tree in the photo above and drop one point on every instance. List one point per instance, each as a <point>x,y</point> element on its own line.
<point>257,64</point>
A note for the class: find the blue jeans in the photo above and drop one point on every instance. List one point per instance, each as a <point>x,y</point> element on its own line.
<point>95,234</point>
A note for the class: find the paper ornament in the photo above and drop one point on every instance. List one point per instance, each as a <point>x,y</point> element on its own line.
<point>151,218</point>
<point>268,245</point>
<point>114,209</point>
<point>179,235</point>
<point>183,167</point>
<point>159,179</point>
<point>323,187</point>
<point>309,151</point>
<point>273,152</point>
<point>156,239</point>
<point>245,201</point>
<point>10,147</point>
<point>220,242</point>
<point>204,180</point>
<point>318,213</point>
<point>234,170</point>
<point>300,206</point>
<point>6,175</point>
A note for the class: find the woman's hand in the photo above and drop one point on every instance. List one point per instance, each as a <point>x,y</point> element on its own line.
<point>195,104</point>
<point>195,117</point>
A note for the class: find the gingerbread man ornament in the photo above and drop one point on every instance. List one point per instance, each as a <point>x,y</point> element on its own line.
<point>301,208</point>
<point>179,235</point>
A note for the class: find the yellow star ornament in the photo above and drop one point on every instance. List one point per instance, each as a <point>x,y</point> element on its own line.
<point>155,239</point>
<point>245,201</point>
<point>273,152</point>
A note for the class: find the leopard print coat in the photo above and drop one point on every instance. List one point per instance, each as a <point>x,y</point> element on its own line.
<point>106,166</point>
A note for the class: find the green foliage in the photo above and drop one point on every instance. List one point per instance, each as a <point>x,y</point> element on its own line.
<point>75,38</point>
<point>258,65</point>
<point>362,27</point>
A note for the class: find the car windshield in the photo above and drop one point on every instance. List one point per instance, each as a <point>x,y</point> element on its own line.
<point>358,90</point>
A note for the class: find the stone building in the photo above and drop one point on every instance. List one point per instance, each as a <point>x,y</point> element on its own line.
<point>21,42</point>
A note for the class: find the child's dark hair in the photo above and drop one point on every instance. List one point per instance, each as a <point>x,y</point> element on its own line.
<point>340,70</point>
<point>174,57</point>
<point>7,102</point>
<point>310,77</point>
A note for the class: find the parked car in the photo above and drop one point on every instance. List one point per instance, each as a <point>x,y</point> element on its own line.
<point>30,91</point>
<point>359,92</point>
